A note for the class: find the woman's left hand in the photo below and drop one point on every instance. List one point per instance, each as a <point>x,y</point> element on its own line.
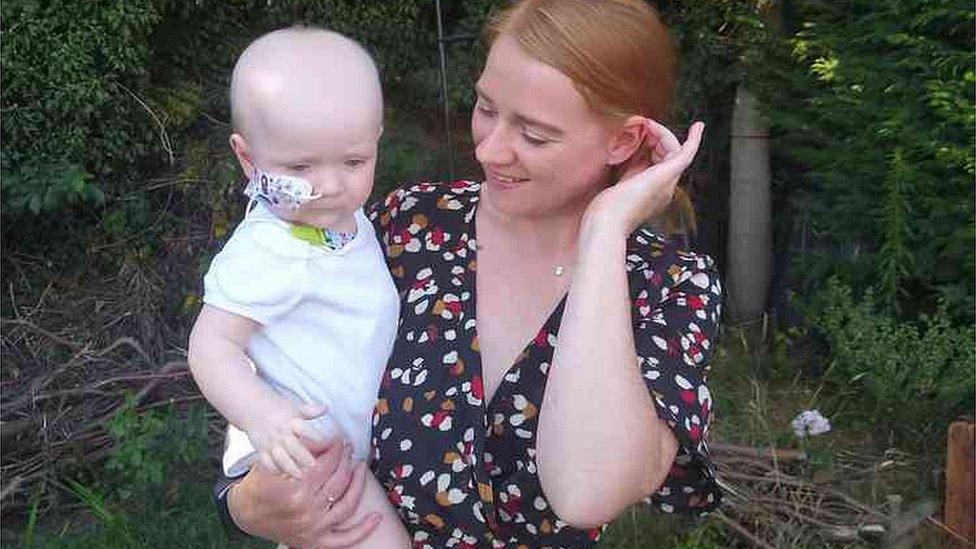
<point>643,194</point>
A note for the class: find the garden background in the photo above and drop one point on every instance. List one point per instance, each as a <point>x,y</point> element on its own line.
<point>118,186</point>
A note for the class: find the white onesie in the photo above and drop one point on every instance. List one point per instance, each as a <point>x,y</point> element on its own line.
<point>328,320</point>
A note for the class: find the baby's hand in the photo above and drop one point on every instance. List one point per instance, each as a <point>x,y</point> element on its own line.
<point>276,437</point>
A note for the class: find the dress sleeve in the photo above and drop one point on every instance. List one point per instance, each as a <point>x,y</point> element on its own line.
<point>677,304</point>
<point>383,212</point>
<point>260,273</point>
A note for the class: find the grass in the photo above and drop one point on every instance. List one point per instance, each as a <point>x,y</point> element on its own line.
<point>178,514</point>
<point>642,528</point>
<point>757,391</point>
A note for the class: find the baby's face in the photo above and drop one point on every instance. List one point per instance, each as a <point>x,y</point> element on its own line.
<point>336,155</point>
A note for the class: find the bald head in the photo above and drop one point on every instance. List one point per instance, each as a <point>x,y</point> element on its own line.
<point>305,76</point>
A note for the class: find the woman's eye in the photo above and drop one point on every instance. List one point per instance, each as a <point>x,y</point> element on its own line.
<point>486,111</point>
<point>533,140</point>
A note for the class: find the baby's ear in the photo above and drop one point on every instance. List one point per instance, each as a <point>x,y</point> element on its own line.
<point>626,140</point>
<point>243,152</point>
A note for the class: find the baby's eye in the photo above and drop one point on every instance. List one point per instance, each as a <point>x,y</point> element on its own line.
<point>298,167</point>
<point>355,163</point>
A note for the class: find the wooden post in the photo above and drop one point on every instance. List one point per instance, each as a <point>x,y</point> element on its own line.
<point>960,486</point>
<point>750,239</point>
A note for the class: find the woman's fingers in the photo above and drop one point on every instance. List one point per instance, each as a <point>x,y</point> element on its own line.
<point>319,477</point>
<point>690,147</point>
<point>326,463</point>
<point>355,533</point>
<point>337,500</point>
<point>680,158</point>
<point>666,144</point>
<point>333,489</point>
<point>663,141</point>
<point>335,539</point>
<point>346,505</point>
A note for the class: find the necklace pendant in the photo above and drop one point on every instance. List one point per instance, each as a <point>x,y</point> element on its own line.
<point>558,270</point>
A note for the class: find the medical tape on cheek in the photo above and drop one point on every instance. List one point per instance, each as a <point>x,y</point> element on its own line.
<point>282,191</point>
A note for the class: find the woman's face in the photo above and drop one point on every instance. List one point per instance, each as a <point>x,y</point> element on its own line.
<point>543,149</point>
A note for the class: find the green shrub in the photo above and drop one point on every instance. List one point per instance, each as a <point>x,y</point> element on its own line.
<point>70,115</point>
<point>911,378</point>
<point>150,444</point>
<point>873,112</point>
<point>97,93</point>
<point>154,490</point>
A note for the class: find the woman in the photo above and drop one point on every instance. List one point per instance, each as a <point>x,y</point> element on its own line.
<point>488,431</point>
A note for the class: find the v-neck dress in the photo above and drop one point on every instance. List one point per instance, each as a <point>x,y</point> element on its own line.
<point>462,471</point>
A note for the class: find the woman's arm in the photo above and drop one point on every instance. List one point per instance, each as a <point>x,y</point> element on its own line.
<point>601,445</point>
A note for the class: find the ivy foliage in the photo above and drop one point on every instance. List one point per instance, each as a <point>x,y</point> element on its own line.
<point>713,38</point>
<point>872,108</point>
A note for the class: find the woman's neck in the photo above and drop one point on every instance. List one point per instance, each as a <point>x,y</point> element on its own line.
<point>554,233</point>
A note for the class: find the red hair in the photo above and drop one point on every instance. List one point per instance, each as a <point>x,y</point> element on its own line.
<point>617,53</point>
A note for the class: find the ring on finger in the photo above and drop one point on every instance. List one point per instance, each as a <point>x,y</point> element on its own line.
<point>329,502</point>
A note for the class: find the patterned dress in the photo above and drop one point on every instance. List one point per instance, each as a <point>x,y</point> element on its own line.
<point>461,471</point>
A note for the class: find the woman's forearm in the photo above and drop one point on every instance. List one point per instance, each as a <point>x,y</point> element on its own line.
<point>601,445</point>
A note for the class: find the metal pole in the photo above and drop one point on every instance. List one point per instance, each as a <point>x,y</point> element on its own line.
<point>447,110</point>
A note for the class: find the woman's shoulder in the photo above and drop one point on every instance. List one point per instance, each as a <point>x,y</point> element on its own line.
<point>424,197</point>
<point>669,261</point>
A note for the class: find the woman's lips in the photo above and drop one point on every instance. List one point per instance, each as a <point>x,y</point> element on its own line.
<point>505,182</point>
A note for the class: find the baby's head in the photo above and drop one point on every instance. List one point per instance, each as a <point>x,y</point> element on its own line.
<point>306,103</point>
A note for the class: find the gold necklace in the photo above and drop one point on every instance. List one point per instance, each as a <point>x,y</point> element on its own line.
<point>557,270</point>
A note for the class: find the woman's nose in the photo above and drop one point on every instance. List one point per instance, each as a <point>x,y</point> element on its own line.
<point>495,148</point>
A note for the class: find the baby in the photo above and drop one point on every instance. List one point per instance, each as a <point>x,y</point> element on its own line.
<point>300,311</point>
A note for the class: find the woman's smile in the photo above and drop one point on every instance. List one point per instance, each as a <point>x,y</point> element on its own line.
<point>504,182</point>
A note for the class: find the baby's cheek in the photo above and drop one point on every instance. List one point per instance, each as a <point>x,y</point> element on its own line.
<point>365,187</point>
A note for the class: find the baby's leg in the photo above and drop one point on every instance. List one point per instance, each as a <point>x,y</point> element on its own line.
<point>390,533</point>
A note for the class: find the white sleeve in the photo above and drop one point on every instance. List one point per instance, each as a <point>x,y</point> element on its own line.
<point>261,272</point>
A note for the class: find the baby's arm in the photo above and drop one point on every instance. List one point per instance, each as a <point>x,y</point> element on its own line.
<point>223,372</point>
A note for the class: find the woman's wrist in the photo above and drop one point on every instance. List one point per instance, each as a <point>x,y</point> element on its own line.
<point>602,233</point>
<point>236,512</point>
<point>222,494</point>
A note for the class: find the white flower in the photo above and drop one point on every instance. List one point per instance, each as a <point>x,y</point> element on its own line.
<point>810,422</point>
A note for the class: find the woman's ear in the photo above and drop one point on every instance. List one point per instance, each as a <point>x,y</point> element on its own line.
<point>243,153</point>
<point>626,140</point>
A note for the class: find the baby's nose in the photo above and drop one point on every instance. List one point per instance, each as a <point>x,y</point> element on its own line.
<point>328,184</point>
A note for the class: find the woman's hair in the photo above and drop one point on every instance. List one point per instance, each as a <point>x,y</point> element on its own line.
<point>618,54</point>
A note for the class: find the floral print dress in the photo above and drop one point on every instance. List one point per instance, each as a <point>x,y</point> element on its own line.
<point>461,471</point>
